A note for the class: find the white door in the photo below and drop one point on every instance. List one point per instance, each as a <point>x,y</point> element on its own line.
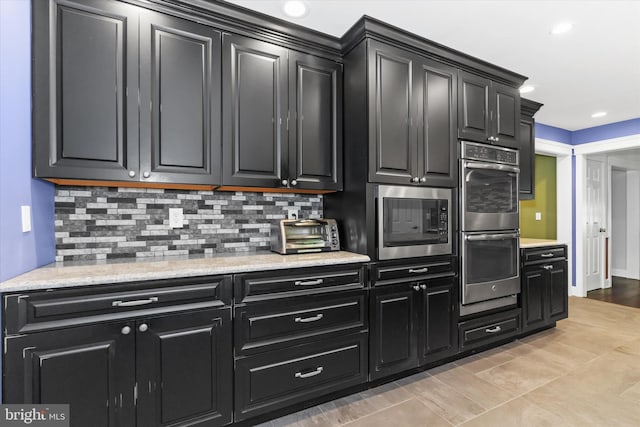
<point>595,226</point>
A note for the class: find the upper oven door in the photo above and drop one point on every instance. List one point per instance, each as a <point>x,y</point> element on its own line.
<point>489,196</point>
<point>413,222</point>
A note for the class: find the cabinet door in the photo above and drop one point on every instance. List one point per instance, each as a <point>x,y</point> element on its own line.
<point>85,84</point>
<point>254,90</point>
<point>506,114</point>
<point>526,152</point>
<point>436,91</point>
<point>473,107</point>
<point>558,291</point>
<point>438,335</point>
<point>184,365</point>
<point>534,297</point>
<point>180,135</point>
<point>315,125</point>
<point>392,140</point>
<point>393,341</point>
<point>88,368</point>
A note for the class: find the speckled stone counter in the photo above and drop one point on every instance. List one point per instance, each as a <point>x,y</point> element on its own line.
<point>537,243</point>
<point>60,275</point>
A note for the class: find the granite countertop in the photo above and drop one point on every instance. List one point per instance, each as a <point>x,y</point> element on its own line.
<point>62,275</point>
<point>536,243</point>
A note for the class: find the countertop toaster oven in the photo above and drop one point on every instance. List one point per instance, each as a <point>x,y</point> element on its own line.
<point>298,236</point>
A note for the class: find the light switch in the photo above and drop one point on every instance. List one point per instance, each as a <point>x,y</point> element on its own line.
<point>538,216</point>
<point>176,217</point>
<point>26,218</point>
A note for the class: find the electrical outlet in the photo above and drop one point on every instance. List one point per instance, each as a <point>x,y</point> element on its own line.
<point>26,218</point>
<point>293,214</point>
<point>538,216</point>
<point>176,217</point>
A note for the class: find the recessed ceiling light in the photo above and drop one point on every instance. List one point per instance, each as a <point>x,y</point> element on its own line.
<point>295,8</point>
<point>561,28</point>
<point>527,89</point>
<point>599,114</point>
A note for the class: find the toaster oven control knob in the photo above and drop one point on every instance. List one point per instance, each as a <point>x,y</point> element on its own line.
<point>415,179</point>
<point>334,242</point>
<point>294,182</point>
<point>285,182</point>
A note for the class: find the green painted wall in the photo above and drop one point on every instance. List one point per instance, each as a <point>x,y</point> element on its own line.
<point>545,202</point>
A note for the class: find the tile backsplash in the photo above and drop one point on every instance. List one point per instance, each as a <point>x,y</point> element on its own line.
<point>106,223</point>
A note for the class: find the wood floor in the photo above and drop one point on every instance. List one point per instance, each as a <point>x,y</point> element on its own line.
<point>622,291</point>
<point>585,372</point>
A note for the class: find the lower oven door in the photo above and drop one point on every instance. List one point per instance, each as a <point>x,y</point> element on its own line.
<point>490,265</point>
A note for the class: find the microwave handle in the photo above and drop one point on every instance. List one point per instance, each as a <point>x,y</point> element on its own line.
<point>491,166</point>
<point>481,237</point>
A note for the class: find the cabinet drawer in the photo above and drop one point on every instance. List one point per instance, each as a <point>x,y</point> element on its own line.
<point>275,324</point>
<point>544,254</point>
<point>488,329</point>
<point>280,378</point>
<point>29,312</point>
<point>302,281</point>
<point>390,274</point>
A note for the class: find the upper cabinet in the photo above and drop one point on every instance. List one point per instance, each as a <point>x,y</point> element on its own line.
<point>124,94</point>
<point>526,146</point>
<point>282,117</point>
<point>488,111</point>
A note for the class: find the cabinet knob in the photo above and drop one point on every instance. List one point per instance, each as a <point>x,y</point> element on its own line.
<point>423,287</point>
<point>416,287</point>
<point>491,139</point>
<point>126,330</point>
<point>415,179</point>
<point>132,173</point>
<point>496,139</point>
<point>285,182</point>
<point>146,174</point>
<point>143,328</point>
<point>423,179</point>
<point>294,182</point>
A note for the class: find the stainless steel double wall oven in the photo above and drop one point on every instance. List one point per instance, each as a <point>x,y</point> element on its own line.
<point>489,224</point>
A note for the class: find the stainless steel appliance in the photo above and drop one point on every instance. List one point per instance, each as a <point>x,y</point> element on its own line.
<point>413,221</point>
<point>489,187</point>
<point>489,221</point>
<point>297,236</point>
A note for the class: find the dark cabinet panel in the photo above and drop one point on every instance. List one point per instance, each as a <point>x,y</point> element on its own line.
<point>438,338</point>
<point>392,149</point>
<point>315,125</point>
<point>506,112</point>
<point>526,148</point>
<point>393,345</point>
<point>184,365</point>
<point>180,66</point>
<point>473,107</point>
<point>85,121</point>
<point>533,291</point>
<point>558,289</point>
<point>255,105</point>
<point>88,368</point>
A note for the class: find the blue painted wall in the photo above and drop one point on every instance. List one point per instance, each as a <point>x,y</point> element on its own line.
<point>20,252</point>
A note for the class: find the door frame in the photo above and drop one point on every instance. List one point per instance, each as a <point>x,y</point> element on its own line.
<point>581,153</point>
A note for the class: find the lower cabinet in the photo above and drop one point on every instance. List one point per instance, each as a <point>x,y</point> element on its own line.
<point>413,316</point>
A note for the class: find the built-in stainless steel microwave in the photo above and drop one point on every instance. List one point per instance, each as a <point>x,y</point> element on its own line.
<point>413,221</point>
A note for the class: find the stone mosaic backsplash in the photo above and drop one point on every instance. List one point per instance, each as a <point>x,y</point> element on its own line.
<point>94,223</point>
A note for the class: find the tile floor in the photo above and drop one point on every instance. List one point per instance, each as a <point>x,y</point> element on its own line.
<point>585,372</point>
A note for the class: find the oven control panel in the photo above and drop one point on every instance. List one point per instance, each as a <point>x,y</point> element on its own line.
<point>490,153</point>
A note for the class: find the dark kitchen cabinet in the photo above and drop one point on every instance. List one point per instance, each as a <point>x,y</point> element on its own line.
<point>544,294</point>
<point>126,95</point>
<point>438,319</point>
<point>282,117</point>
<point>488,111</point>
<point>411,118</point>
<point>526,148</point>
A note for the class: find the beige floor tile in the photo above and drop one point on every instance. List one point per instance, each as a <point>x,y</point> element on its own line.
<point>518,412</point>
<point>386,395</point>
<point>312,417</point>
<point>409,413</point>
<point>485,360</point>
<point>347,409</point>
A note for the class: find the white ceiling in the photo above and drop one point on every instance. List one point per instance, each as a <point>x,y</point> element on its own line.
<point>595,67</point>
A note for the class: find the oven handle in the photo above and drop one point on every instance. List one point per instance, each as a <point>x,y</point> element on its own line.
<point>491,166</point>
<point>480,237</point>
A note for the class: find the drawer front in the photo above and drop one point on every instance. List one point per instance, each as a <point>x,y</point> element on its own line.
<point>485,330</point>
<point>544,254</point>
<point>28,312</point>
<point>278,323</point>
<point>302,281</point>
<point>280,378</point>
<point>391,274</point>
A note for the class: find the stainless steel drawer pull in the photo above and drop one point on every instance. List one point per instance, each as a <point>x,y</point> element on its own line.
<point>309,319</point>
<point>549,255</point>
<point>493,330</point>
<point>418,270</point>
<point>309,282</point>
<point>318,371</point>
<point>134,302</point>
<point>548,267</point>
